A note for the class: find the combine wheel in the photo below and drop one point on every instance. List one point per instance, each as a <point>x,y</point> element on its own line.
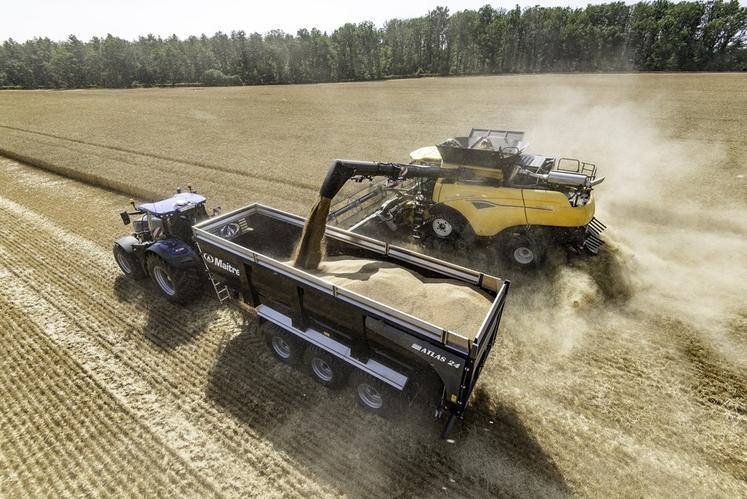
<point>177,285</point>
<point>374,395</point>
<point>449,227</point>
<point>284,346</point>
<point>325,368</point>
<point>129,263</point>
<point>524,251</point>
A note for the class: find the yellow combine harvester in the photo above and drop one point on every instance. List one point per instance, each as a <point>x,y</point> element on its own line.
<point>479,189</point>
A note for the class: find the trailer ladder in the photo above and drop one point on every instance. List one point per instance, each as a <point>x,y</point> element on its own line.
<point>221,290</point>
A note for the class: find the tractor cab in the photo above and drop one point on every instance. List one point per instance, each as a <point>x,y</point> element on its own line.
<point>169,218</point>
<point>162,244</point>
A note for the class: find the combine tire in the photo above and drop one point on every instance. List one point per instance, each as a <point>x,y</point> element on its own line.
<point>177,285</point>
<point>374,395</point>
<point>447,227</point>
<point>326,368</point>
<point>524,252</point>
<point>128,263</point>
<point>284,346</point>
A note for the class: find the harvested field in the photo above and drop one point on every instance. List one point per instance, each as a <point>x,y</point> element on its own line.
<point>622,375</point>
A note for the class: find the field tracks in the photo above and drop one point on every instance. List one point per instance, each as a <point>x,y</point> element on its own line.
<point>258,428</point>
<point>68,305</point>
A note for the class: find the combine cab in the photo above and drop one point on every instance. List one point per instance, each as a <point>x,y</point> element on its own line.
<point>483,188</point>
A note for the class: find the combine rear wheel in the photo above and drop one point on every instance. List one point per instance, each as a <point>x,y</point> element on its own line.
<point>128,263</point>
<point>524,252</point>
<point>177,285</point>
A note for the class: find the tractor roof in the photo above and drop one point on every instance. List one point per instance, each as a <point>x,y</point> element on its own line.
<point>179,202</point>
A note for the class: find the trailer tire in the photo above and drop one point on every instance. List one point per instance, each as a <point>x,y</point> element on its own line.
<point>284,346</point>
<point>128,263</point>
<point>374,395</point>
<point>178,285</point>
<point>325,368</point>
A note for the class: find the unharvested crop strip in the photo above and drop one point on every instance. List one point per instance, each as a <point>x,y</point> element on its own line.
<point>201,164</point>
<point>85,178</point>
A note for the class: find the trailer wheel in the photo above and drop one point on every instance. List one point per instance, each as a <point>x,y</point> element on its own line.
<point>524,251</point>
<point>128,263</point>
<point>326,368</point>
<point>284,346</point>
<point>374,395</point>
<point>177,285</point>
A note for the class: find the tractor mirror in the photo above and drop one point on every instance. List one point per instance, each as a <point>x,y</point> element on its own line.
<point>125,217</point>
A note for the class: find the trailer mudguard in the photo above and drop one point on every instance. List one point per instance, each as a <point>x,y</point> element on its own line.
<point>448,367</point>
<point>126,243</point>
<point>176,253</point>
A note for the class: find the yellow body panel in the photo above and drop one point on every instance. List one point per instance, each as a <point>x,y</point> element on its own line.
<point>552,208</point>
<point>428,155</point>
<point>490,210</point>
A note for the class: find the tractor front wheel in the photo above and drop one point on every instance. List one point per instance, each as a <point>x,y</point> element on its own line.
<point>128,263</point>
<point>178,285</point>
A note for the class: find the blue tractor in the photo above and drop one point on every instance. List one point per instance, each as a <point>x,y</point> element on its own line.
<point>162,245</point>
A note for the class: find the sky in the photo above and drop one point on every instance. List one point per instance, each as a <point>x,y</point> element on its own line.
<point>23,20</point>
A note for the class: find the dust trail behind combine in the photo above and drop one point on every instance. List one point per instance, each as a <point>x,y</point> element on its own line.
<point>646,343</point>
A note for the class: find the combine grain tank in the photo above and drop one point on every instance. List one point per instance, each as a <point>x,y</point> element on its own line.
<point>386,355</point>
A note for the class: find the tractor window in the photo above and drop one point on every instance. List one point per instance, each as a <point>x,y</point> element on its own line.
<point>180,227</point>
<point>155,225</point>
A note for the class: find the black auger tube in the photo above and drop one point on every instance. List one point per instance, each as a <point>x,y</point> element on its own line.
<point>341,170</point>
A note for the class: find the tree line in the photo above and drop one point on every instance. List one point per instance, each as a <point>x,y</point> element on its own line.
<point>647,36</point>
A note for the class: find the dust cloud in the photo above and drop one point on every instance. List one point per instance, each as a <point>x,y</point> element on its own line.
<point>675,246</point>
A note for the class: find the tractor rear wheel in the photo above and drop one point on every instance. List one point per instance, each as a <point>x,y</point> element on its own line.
<point>128,263</point>
<point>178,285</point>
